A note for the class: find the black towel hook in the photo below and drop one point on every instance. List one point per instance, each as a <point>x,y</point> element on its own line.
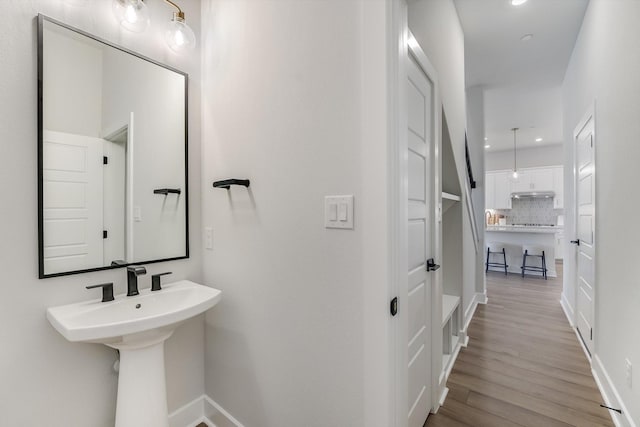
<point>227,183</point>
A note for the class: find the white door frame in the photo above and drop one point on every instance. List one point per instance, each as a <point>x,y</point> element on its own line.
<point>589,115</point>
<point>402,44</point>
<point>436,216</point>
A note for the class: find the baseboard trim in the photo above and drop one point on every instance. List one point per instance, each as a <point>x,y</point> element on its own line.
<point>217,414</point>
<point>202,409</point>
<point>568,310</point>
<point>610,394</point>
<point>478,298</point>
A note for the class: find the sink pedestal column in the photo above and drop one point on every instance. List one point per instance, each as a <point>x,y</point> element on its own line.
<point>142,390</point>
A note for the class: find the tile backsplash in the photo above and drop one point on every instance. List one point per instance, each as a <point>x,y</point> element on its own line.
<point>531,211</point>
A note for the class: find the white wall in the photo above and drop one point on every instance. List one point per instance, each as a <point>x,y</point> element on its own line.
<point>547,155</point>
<point>73,103</point>
<point>475,137</point>
<point>604,67</point>
<point>436,27</point>
<point>47,380</point>
<point>299,337</point>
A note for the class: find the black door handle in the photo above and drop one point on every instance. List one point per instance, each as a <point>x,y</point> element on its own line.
<point>431,265</point>
<point>576,242</point>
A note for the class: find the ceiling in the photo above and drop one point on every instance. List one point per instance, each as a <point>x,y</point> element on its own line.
<point>522,79</point>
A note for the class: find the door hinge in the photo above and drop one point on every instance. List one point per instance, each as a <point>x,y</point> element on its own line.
<point>394,306</point>
<point>105,234</point>
<point>591,334</point>
<point>105,160</point>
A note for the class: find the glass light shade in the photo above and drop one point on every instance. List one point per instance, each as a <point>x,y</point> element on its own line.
<point>515,175</point>
<point>132,14</point>
<point>179,36</point>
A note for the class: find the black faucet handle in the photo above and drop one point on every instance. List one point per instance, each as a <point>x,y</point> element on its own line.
<point>107,291</point>
<point>155,281</point>
<point>138,270</point>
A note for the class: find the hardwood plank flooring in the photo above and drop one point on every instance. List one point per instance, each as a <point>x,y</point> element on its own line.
<point>524,365</point>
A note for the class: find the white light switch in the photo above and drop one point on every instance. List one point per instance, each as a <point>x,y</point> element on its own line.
<point>338,212</point>
<point>137,214</point>
<point>342,212</point>
<point>333,211</point>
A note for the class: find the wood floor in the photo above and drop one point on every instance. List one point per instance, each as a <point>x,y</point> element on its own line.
<point>524,365</point>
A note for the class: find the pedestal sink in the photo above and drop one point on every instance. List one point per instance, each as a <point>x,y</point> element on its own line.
<point>137,326</point>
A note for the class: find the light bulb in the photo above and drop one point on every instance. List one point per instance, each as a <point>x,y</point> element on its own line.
<point>515,175</point>
<point>179,36</point>
<point>131,14</point>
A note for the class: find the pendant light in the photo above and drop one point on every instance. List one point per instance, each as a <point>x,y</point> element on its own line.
<point>515,164</point>
<point>178,35</point>
<point>131,14</point>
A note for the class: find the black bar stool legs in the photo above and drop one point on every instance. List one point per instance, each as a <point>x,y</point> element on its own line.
<point>534,251</point>
<point>500,250</point>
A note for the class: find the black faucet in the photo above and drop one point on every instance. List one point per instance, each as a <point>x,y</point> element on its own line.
<point>133,271</point>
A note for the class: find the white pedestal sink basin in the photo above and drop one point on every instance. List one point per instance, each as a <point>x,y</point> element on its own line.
<point>138,327</point>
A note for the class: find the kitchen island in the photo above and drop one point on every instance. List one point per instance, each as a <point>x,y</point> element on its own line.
<point>514,237</point>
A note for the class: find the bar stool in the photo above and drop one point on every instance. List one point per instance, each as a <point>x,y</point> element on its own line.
<point>496,248</point>
<point>534,251</point>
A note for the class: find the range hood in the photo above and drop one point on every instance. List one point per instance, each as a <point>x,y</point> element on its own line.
<point>533,195</point>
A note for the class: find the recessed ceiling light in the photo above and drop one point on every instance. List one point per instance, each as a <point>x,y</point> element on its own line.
<point>487,146</point>
<point>538,139</point>
<point>518,2</point>
<point>526,37</point>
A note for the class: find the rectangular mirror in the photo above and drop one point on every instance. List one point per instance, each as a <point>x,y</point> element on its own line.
<point>112,179</point>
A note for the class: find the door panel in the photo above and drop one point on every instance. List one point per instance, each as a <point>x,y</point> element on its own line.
<point>72,204</point>
<point>419,229</point>
<point>585,228</point>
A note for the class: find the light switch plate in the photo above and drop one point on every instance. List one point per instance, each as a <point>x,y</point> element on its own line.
<point>338,212</point>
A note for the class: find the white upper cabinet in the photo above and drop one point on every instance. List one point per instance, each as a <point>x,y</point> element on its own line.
<point>558,187</point>
<point>497,190</point>
<point>522,182</point>
<point>542,179</point>
<point>489,191</point>
<point>502,191</point>
<point>499,185</point>
<point>539,179</point>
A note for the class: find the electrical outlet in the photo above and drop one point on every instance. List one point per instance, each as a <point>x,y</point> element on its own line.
<point>208,238</point>
<point>628,371</point>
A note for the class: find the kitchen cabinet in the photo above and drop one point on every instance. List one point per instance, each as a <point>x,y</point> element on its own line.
<point>538,179</point>
<point>497,190</point>
<point>500,184</point>
<point>559,245</point>
<point>502,191</point>
<point>558,187</point>
<point>489,191</point>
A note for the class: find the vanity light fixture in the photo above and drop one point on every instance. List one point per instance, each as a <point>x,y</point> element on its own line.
<point>515,169</point>
<point>487,146</point>
<point>132,14</point>
<point>518,2</point>
<point>538,139</point>
<point>178,35</point>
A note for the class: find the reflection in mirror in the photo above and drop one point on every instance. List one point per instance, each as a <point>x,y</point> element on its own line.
<point>112,130</point>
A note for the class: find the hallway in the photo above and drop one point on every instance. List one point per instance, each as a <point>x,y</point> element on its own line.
<point>524,365</point>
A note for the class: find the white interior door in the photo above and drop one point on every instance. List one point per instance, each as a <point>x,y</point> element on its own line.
<point>420,139</point>
<point>72,202</point>
<point>585,227</point>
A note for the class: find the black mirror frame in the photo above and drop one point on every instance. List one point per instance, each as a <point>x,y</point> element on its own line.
<point>40,29</point>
